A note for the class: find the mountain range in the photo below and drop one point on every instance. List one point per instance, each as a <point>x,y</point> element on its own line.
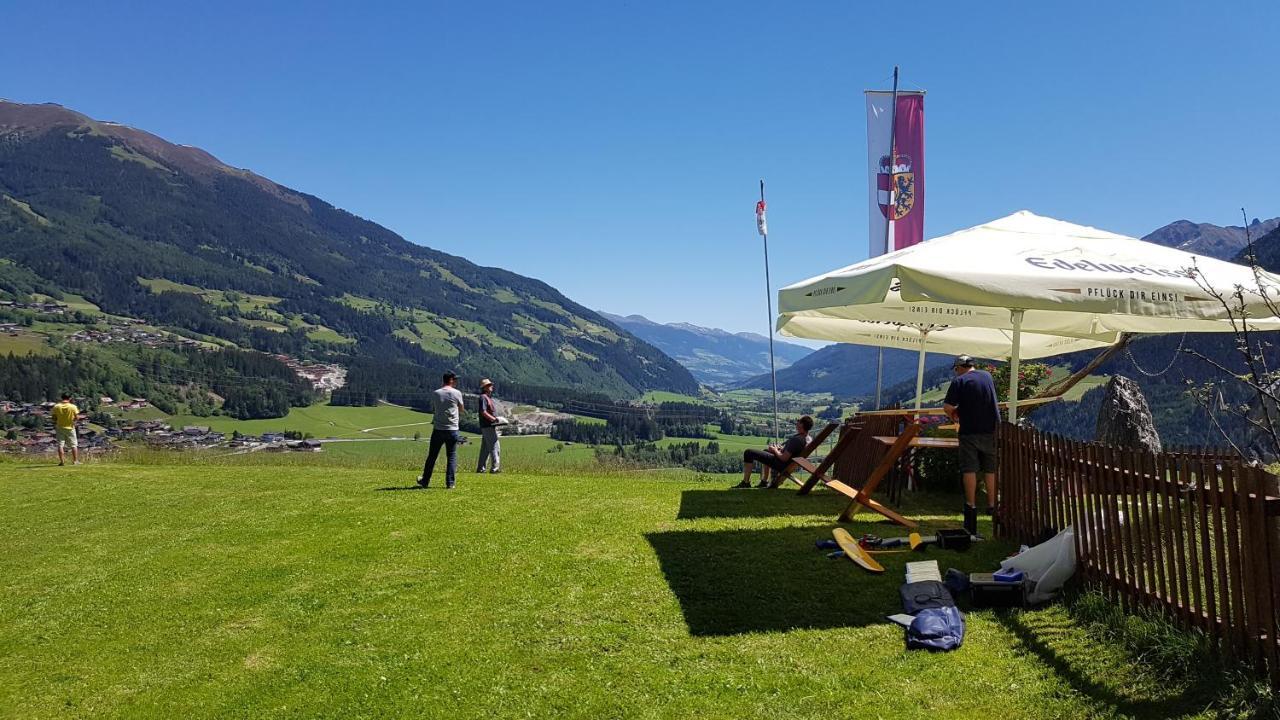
<point>140,227</point>
<point>1210,240</point>
<point>715,357</point>
<point>848,371</point>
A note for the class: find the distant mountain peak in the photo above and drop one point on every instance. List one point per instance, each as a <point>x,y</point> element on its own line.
<point>1207,239</point>
<point>714,356</point>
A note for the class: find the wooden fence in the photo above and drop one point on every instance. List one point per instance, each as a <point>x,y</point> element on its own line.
<point>1194,535</point>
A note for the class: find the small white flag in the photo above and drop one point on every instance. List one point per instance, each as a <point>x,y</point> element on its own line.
<point>761,225</point>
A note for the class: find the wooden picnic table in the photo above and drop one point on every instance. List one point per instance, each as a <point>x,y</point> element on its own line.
<point>940,411</point>
<point>945,443</point>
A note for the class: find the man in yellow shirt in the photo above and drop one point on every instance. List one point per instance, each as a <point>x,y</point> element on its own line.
<point>64,425</point>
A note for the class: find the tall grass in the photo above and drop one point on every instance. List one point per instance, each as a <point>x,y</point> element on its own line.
<point>1176,656</point>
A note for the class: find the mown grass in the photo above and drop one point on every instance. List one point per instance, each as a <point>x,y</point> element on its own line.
<point>24,343</point>
<point>381,421</point>
<point>271,586</point>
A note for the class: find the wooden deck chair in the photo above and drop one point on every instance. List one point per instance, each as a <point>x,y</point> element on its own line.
<point>861,497</point>
<point>777,478</point>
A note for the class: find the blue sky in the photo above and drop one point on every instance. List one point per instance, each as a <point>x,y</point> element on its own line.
<point>613,149</point>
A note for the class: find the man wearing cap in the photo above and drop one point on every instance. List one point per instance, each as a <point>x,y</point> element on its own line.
<point>489,422</point>
<point>447,404</point>
<point>971,401</point>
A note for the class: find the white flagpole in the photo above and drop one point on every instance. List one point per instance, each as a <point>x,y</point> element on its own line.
<point>768,293</point>
<point>888,222</point>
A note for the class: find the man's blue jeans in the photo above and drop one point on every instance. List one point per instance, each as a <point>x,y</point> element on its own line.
<point>449,439</point>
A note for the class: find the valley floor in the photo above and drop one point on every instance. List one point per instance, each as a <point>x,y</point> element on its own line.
<point>174,589</point>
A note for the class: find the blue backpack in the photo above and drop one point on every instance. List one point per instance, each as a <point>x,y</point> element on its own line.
<point>936,629</point>
<point>938,625</point>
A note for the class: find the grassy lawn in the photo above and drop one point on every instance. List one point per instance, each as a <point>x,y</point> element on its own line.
<point>323,421</point>
<point>661,396</point>
<point>24,343</point>
<point>272,587</point>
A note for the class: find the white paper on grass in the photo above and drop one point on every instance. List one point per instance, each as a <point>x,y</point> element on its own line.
<point>1049,565</point>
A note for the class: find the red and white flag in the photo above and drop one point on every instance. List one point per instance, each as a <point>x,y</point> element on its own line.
<point>761,225</point>
<point>896,184</point>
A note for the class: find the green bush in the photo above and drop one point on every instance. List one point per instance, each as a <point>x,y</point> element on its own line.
<point>715,463</point>
<point>937,470</point>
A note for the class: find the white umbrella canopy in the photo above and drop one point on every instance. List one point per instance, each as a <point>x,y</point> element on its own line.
<point>1030,274</point>
<point>1067,279</point>
<point>978,341</point>
<point>949,339</point>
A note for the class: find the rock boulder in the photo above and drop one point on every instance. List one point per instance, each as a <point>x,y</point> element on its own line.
<point>1124,419</point>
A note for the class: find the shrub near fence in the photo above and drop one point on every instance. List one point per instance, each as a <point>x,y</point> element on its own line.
<point>1195,535</point>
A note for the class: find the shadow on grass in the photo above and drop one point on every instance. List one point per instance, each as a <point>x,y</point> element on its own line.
<point>726,503</point>
<point>1075,662</point>
<point>772,580</point>
<point>931,509</point>
<point>740,581</point>
<point>397,488</point>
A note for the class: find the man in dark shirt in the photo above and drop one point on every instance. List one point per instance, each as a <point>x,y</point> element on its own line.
<point>971,401</point>
<point>773,457</point>
<point>490,447</point>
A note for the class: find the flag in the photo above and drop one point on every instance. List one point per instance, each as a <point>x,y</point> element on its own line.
<point>761,225</point>
<point>895,184</point>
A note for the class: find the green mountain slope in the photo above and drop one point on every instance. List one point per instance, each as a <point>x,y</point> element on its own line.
<point>142,227</point>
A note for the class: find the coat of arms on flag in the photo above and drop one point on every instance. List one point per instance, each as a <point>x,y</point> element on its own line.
<point>895,170</point>
<point>902,181</point>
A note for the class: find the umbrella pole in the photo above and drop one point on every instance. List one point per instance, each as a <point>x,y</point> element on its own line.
<point>1014,361</point>
<point>920,370</point>
<point>879,374</point>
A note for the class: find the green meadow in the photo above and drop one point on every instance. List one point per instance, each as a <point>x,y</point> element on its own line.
<point>163,585</point>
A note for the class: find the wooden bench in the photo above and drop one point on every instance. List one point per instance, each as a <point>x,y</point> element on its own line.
<point>860,497</point>
<point>786,474</point>
<point>860,449</point>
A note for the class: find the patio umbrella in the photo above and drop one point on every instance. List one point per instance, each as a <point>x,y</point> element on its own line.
<point>925,338</point>
<point>1030,274</point>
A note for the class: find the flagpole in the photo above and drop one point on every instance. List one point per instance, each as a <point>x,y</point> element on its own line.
<point>768,294</point>
<point>888,221</point>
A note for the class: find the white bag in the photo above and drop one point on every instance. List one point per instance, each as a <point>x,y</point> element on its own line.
<point>1049,565</point>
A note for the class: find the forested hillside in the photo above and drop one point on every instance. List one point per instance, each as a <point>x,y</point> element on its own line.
<point>143,228</point>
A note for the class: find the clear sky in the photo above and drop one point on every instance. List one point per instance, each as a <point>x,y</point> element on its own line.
<point>613,149</point>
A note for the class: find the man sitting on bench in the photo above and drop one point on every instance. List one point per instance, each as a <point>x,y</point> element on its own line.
<point>773,457</point>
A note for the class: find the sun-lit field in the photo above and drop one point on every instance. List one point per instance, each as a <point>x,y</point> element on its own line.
<point>380,421</point>
<point>329,586</point>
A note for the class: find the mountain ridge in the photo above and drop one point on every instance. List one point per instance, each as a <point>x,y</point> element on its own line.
<point>1217,241</point>
<point>714,356</point>
<point>143,227</point>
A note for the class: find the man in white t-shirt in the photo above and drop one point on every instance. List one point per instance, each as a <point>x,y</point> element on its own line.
<point>447,404</point>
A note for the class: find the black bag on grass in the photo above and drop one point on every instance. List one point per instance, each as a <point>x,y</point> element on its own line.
<point>924,595</point>
<point>938,625</point>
